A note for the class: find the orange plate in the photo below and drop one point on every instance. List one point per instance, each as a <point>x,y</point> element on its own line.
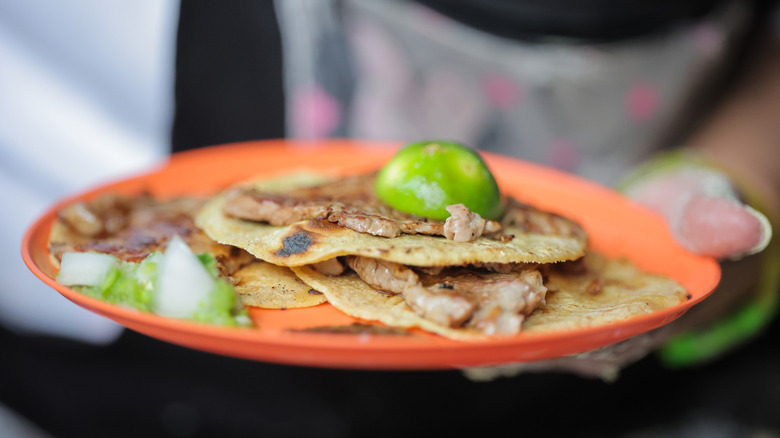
<point>615,225</point>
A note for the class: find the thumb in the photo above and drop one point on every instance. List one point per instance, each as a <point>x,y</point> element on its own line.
<point>720,227</point>
<point>703,212</point>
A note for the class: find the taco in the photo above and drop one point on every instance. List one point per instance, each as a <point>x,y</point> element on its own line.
<point>591,291</point>
<point>307,224</point>
<point>461,277</point>
<point>131,228</point>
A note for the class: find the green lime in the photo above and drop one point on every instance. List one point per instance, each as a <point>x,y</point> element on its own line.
<point>424,178</point>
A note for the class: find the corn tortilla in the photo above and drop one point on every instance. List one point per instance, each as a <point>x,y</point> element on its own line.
<point>268,286</point>
<point>312,241</point>
<point>609,290</point>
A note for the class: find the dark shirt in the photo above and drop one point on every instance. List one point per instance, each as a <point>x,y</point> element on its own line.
<point>586,20</point>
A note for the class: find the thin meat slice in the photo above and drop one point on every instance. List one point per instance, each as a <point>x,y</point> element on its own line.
<point>330,267</point>
<point>437,304</point>
<point>370,223</point>
<point>387,277</point>
<point>274,209</point>
<point>464,225</point>
<point>350,203</point>
<point>533,220</point>
<point>503,299</point>
<point>131,228</point>
<point>491,302</point>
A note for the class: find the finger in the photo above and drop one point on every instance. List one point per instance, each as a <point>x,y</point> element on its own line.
<point>704,213</point>
<point>720,227</point>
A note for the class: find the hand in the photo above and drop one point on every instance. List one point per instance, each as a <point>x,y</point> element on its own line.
<point>706,216</point>
<point>703,211</point>
<point>604,363</point>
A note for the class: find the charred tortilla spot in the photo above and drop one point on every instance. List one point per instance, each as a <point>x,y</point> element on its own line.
<point>295,244</point>
<point>314,292</point>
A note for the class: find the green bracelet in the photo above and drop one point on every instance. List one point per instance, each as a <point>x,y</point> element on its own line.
<point>695,347</point>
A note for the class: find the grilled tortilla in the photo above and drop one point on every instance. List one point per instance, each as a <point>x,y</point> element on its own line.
<point>268,286</point>
<point>353,296</point>
<point>316,239</point>
<point>598,290</point>
<point>592,291</point>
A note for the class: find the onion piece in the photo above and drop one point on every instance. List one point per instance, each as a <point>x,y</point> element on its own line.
<point>183,283</point>
<point>85,268</point>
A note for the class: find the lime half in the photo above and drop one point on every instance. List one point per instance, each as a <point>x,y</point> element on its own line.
<point>424,178</point>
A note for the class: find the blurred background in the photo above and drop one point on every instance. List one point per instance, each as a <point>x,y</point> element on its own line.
<point>93,92</point>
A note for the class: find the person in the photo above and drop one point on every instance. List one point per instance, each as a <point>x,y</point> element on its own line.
<point>596,93</point>
<point>78,111</point>
<point>388,69</point>
<point>87,99</point>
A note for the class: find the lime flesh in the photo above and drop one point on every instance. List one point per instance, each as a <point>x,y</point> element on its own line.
<point>424,178</point>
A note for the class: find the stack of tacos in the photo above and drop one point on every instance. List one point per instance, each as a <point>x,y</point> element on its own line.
<point>304,239</point>
<point>462,278</point>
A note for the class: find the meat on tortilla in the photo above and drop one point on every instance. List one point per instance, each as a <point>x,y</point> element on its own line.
<point>302,220</point>
<point>464,274</point>
<point>133,227</point>
<point>593,290</point>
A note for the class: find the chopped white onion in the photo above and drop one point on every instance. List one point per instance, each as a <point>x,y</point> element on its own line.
<point>182,282</point>
<point>84,268</point>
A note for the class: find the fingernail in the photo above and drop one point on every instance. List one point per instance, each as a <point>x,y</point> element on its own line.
<point>766,234</point>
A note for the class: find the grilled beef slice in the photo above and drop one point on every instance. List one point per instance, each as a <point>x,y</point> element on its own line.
<point>491,302</point>
<point>350,202</point>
